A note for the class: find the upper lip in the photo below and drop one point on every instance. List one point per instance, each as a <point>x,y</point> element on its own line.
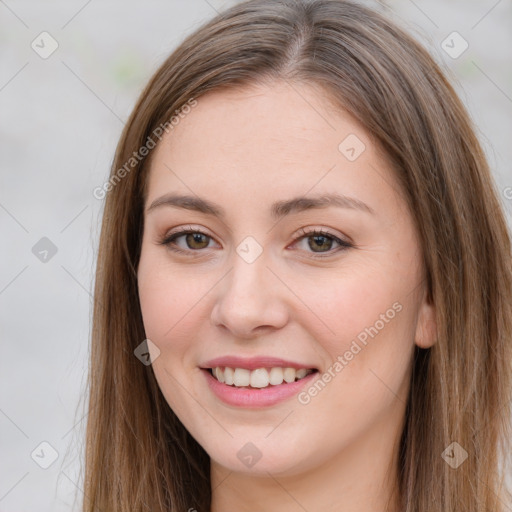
<point>252,363</point>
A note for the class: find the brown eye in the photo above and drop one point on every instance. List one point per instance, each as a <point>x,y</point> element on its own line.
<point>320,243</point>
<point>194,240</point>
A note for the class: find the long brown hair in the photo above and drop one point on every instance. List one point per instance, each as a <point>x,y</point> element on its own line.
<point>138,454</point>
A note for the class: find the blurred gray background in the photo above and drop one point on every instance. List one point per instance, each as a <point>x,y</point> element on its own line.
<point>70,73</point>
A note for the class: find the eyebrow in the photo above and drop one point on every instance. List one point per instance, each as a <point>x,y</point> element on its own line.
<point>278,209</point>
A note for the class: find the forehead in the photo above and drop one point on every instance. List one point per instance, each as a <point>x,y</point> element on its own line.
<point>268,121</point>
<point>282,139</point>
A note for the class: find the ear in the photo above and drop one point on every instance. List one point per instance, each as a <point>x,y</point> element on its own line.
<point>426,327</point>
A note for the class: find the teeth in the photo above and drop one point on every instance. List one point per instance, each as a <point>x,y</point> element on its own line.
<point>276,376</point>
<point>259,378</point>
<point>242,377</point>
<point>219,374</point>
<point>289,374</point>
<point>301,373</point>
<point>228,376</point>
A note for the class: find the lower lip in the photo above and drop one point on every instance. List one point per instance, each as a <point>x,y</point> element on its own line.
<point>253,397</point>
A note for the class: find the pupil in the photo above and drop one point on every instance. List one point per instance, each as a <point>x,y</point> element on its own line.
<point>317,238</point>
<point>196,238</point>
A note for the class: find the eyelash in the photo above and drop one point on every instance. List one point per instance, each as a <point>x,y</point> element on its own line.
<point>303,232</point>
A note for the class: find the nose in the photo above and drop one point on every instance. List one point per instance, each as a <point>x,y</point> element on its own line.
<point>250,300</point>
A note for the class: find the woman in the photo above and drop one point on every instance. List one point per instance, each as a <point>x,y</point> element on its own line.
<point>236,364</point>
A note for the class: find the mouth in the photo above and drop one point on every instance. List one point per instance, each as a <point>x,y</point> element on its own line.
<point>258,378</point>
<point>256,382</point>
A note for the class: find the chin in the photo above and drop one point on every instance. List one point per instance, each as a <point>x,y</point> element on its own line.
<point>260,459</point>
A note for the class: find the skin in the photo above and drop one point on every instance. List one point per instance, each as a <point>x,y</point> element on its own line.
<point>244,150</point>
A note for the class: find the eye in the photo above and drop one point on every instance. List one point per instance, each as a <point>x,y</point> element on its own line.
<point>320,241</point>
<point>194,240</point>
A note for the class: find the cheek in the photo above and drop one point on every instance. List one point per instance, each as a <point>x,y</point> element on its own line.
<point>169,299</point>
<point>368,359</point>
<point>159,306</point>
<point>167,302</point>
<point>351,305</point>
<point>364,323</point>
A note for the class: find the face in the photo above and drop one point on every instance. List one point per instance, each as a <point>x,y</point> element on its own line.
<point>238,276</point>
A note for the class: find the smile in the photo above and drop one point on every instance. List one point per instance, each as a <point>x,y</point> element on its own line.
<point>258,378</point>
<point>242,394</point>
